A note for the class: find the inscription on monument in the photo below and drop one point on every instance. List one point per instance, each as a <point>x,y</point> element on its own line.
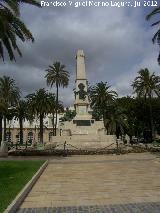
<point>83,122</point>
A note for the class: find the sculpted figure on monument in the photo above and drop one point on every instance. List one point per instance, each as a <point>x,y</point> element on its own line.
<point>82,93</point>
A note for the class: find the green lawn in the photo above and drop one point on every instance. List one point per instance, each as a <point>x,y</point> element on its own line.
<point>13,176</point>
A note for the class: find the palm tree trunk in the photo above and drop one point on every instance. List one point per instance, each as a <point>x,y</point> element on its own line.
<point>41,128</point>
<point>151,118</point>
<point>146,110</point>
<point>53,123</point>
<point>56,109</point>
<point>4,128</point>
<point>1,118</point>
<point>21,130</point>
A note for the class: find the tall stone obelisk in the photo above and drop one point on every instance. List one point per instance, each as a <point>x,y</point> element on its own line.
<point>81,97</point>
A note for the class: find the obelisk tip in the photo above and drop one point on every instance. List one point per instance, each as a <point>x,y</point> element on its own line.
<point>80,53</point>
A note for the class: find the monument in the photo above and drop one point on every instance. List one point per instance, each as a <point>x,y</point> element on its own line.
<point>83,131</point>
<point>81,104</point>
<point>81,96</point>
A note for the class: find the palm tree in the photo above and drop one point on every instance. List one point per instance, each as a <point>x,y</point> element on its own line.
<point>56,74</point>
<point>116,121</point>
<point>11,27</point>
<point>20,113</point>
<point>39,104</point>
<point>102,98</point>
<point>156,37</point>
<point>147,85</point>
<point>10,94</point>
<point>14,4</point>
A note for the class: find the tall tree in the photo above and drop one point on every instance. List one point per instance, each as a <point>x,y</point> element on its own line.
<point>14,5</point>
<point>56,74</point>
<point>147,85</point>
<point>39,104</point>
<point>133,109</point>
<point>102,98</point>
<point>116,121</point>
<point>11,27</point>
<point>20,113</point>
<point>52,108</point>
<point>156,37</point>
<point>10,94</point>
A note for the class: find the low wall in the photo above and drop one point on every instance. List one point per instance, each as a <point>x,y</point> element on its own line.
<point>81,141</point>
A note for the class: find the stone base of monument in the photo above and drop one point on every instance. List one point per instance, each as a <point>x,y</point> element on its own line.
<point>77,136</point>
<point>4,149</point>
<point>82,142</point>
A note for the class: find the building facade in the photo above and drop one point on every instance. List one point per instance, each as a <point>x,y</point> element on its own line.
<point>31,130</point>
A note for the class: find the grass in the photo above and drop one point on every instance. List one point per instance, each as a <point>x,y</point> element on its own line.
<point>13,177</point>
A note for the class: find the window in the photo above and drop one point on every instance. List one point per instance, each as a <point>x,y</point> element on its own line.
<point>30,137</point>
<point>8,136</point>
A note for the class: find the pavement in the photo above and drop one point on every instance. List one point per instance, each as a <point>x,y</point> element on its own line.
<point>97,184</point>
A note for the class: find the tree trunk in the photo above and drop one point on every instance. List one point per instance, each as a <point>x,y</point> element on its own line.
<point>21,130</point>
<point>4,128</point>
<point>104,119</point>
<point>151,117</point>
<point>1,118</point>
<point>56,109</point>
<point>41,128</point>
<point>53,123</point>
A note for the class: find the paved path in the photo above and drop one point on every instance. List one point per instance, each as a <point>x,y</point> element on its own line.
<point>87,184</point>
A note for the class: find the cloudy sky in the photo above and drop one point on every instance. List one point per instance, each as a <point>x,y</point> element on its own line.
<point>116,42</point>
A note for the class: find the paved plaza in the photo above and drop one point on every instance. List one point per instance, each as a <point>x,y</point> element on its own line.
<point>102,183</point>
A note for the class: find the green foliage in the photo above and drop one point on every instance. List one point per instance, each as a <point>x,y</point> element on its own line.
<point>52,108</point>
<point>9,96</point>
<point>39,105</point>
<point>69,115</point>
<point>146,85</point>
<point>56,74</point>
<point>14,5</point>
<point>101,98</point>
<point>116,121</point>
<point>156,113</point>
<point>133,109</point>
<point>39,102</point>
<point>9,92</point>
<point>13,177</point>
<point>21,110</point>
<point>137,112</point>
<point>11,27</point>
<point>156,37</point>
<point>156,142</point>
<point>96,114</point>
<point>21,113</point>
